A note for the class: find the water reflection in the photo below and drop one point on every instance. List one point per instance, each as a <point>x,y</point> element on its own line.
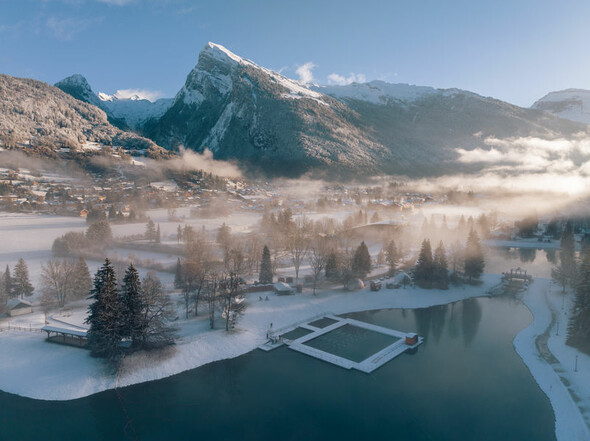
<point>537,262</point>
<point>465,316</point>
<point>470,319</point>
<point>423,318</point>
<point>527,254</point>
<point>454,318</point>
<point>439,314</point>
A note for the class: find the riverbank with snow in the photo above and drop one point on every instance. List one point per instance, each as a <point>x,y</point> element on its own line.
<point>542,347</point>
<point>34,368</point>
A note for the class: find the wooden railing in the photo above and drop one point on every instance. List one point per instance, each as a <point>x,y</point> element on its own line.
<point>30,328</point>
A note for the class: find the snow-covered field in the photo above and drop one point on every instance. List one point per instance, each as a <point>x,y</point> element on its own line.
<point>31,236</point>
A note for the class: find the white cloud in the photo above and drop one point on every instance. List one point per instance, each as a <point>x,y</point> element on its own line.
<point>146,94</point>
<point>117,2</point>
<point>341,80</point>
<point>532,163</point>
<point>66,28</point>
<point>305,72</point>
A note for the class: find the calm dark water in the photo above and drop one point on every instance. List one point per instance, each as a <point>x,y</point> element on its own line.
<point>464,383</point>
<point>536,262</point>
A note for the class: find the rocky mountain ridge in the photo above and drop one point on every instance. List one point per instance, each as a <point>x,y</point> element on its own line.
<point>275,125</point>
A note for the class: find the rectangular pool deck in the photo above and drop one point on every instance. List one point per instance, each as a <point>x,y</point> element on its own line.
<point>367,365</point>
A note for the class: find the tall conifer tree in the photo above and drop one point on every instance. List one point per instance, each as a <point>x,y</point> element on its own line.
<point>21,284</point>
<point>423,272</point>
<point>265,267</point>
<point>133,322</point>
<point>104,318</point>
<point>474,260</point>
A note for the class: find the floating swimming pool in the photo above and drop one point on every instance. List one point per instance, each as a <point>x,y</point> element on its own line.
<point>296,333</point>
<point>324,322</point>
<point>346,342</point>
<point>352,342</point>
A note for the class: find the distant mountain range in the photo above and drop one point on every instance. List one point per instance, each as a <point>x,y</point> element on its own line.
<point>270,123</point>
<point>125,113</point>
<point>31,110</point>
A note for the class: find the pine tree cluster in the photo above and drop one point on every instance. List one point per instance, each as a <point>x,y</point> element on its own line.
<point>126,318</point>
<point>578,330</point>
<point>431,270</point>
<point>15,284</point>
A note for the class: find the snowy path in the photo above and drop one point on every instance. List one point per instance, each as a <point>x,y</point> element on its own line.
<point>550,363</point>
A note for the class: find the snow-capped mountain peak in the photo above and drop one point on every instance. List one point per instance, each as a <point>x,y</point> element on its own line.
<point>215,69</point>
<point>77,86</point>
<point>122,95</point>
<point>222,53</point>
<point>105,97</point>
<point>127,107</point>
<point>572,104</point>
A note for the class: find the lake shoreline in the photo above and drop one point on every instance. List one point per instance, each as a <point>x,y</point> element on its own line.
<point>53,372</point>
<point>196,349</point>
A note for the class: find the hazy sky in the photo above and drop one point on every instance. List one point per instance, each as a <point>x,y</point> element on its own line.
<point>513,50</point>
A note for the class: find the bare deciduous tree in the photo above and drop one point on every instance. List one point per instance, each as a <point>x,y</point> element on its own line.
<point>318,258</point>
<point>298,244</point>
<point>58,279</point>
<point>231,295</point>
<point>157,312</point>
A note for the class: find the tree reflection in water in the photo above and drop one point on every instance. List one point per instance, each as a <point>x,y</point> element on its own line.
<point>527,254</point>
<point>471,318</point>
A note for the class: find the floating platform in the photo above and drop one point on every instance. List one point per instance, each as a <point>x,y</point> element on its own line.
<point>345,342</point>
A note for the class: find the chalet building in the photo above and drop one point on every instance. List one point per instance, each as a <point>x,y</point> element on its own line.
<point>18,307</point>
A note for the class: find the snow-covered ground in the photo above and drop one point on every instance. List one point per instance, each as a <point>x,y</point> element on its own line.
<point>31,236</point>
<point>34,368</point>
<point>567,389</point>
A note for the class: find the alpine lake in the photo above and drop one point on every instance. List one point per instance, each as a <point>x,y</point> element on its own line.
<point>465,382</point>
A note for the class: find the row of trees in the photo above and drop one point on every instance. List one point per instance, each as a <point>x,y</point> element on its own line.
<point>98,235</point>
<point>61,280</point>
<point>568,273</point>
<point>431,270</point>
<point>203,279</point>
<point>578,330</point>
<point>151,232</point>
<point>114,215</point>
<point>482,225</point>
<point>135,314</point>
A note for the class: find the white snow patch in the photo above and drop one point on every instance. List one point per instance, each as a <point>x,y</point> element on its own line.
<point>218,130</point>
<point>572,104</point>
<point>569,422</point>
<point>377,92</point>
